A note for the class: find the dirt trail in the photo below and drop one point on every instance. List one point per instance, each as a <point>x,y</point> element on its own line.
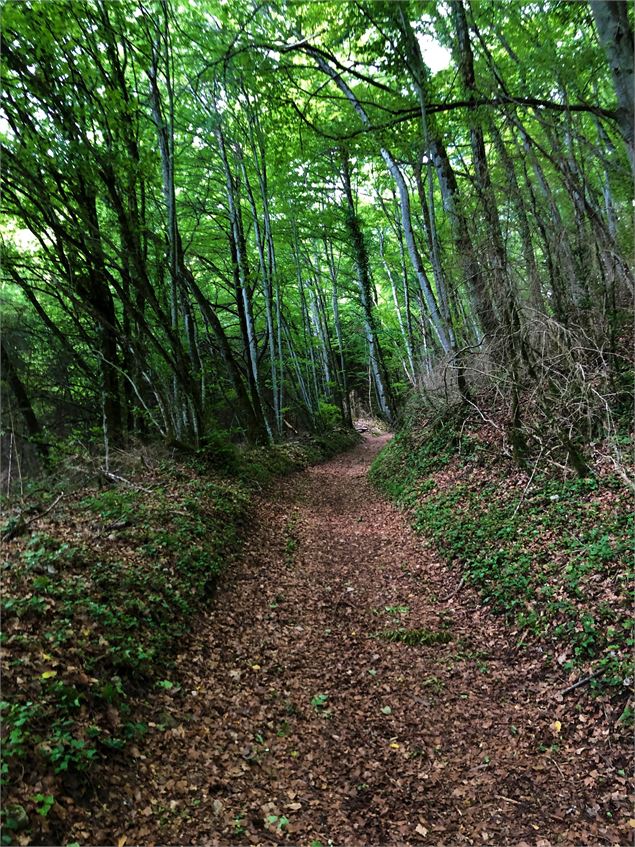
<point>291,707</point>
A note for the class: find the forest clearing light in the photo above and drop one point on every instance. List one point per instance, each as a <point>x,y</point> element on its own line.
<point>22,239</point>
<point>435,55</point>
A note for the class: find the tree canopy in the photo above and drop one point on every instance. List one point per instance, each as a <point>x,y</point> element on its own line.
<point>260,217</point>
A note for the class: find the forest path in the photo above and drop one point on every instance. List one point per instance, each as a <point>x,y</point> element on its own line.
<point>292,709</point>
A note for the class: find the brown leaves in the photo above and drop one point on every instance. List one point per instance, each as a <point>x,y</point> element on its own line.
<point>467,753</point>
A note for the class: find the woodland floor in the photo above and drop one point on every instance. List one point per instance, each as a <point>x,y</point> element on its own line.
<point>290,721</point>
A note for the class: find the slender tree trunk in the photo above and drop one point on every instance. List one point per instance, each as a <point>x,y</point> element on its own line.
<point>609,205</point>
<point>256,430</point>
<point>360,257</point>
<point>343,378</point>
<point>430,300</point>
<point>504,294</point>
<point>443,332</point>
<point>307,329</point>
<point>429,221</point>
<point>564,262</point>
<point>409,366</point>
<point>258,148</point>
<point>10,373</point>
<point>437,156</point>
<point>533,277</point>
<point>406,292</point>
<point>265,272</point>
<point>616,37</point>
<point>243,279</point>
<point>187,406</point>
<point>307,401</point>
<point>319,335</point>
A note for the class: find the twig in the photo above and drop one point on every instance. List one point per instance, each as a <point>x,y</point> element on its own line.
<point>582,681</point>
<point>46,511</point>
<point>21,526</point>
<point>508,799</point>
<point>456,590</point>
<point>116,478</point>
<point>526,489</point>
<point>619,469</point>
<point>553,761</point>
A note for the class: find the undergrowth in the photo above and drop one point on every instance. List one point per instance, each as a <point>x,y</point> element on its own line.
<point>552,555</point>
<point>98,597</point>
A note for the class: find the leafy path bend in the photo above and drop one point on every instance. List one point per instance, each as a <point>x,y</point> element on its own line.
<point>291,708</point>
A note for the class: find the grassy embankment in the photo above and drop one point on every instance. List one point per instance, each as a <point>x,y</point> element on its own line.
<point>553,555</point>
<point>98,594</point>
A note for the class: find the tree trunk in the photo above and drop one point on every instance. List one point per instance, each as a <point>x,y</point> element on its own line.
<point>343,378</point>
<point>534,290</point>
<point>383,390</point>
<point>504,296</point>
<point>616,37</point>
<point>243,279</point>
<point>409,365</point>
<point>265,272</point>
<point>435,148</point>
<point>187,406</point>
<point>393,167</point>
<point>33,428</point>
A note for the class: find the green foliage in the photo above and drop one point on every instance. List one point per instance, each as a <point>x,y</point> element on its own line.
<point>258,466</point>
<point>43,803</point>
<point>16,721</point>
<point>319,701</point>
<point>218,451</point>
<point>119,618</point>
<point>66,752</point>
<point>397,610</point>
<point>278,821</point>
<point>329,415</point>
<point>14,819</point>
<point>112,504</point>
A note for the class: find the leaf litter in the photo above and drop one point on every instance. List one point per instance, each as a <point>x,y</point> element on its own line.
<point>290,721</point>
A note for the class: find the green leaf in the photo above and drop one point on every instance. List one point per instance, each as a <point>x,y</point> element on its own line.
<point>43,803</point>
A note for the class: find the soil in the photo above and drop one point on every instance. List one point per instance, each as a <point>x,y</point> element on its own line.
<point>293,718</point>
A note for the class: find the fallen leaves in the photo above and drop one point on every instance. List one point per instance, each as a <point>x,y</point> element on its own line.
<point>290,730</point>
